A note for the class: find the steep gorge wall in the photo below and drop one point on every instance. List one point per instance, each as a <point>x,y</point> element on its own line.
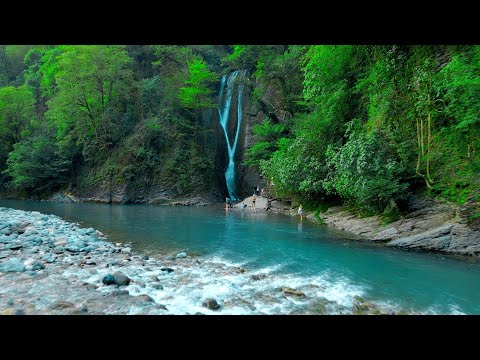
<point>272,105</point>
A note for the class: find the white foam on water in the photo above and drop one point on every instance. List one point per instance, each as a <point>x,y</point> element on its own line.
<point>187,287</point>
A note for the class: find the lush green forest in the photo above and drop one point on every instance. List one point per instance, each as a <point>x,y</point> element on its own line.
<point>365,125</point>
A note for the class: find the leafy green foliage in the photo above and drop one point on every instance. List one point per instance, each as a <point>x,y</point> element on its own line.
<point>266,136</point>
<point>196,93</point>
<point>36,165</point>
<point>366,171</point>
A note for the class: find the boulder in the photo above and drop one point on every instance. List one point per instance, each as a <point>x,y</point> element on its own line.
<point>108,279</point>
<point>121,279</point>
<point>211,303</point>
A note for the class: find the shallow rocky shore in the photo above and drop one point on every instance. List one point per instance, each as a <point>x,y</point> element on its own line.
<point>50,266</point>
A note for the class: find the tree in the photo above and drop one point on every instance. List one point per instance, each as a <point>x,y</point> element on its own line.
<point>90,84</point>
<point>196,92</point>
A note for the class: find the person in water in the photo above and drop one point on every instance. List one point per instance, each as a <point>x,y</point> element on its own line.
<point>300,212</point>
<point>254,198</point>
<point>227,203</point>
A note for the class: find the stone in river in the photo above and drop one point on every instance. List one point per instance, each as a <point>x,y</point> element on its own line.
<point>156,286</point>
<point>37,265</point>
<point>257,277</point>
<point>12,265</point>
<point>170,257</point>
<point>58,249</point>
<point>15,246</point>
<point>126,250</point>
<point>211,303</point>
<point>58,305</point>
<point>49,258</point>
<point>29,262</point>
<point>181,255</point>
<point>145,257</point>
<point>73,248</point>
<point>108,279</point>
<point>290,291</point>
<point>121,279</point>
<point>167,269</point>
<point>153,278</point>
<point>144,298</point>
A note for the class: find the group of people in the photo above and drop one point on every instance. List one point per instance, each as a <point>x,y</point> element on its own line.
<point>229,204</point>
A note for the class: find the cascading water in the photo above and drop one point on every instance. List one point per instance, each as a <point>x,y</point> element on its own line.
<point>224,115</point>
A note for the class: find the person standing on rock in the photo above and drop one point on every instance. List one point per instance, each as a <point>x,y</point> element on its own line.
<point>300,212</point>
<point>254,198</point>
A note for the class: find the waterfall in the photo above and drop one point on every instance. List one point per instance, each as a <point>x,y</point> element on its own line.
<point>224,115</point>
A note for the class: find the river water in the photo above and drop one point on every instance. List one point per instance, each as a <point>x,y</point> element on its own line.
<point>299,253</point>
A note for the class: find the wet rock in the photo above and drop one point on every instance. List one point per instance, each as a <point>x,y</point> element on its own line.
<point>126,250</point>
<point>153,278</point>
<point>108,279</point>
<point>37,265</point>
<point>73,249</point>
<point>170,257</point>
<point>257,277</point>
<point>118,292</point>
<point>60,305</point>
<point>59,250</point>
<point>167,269</point>
<point>60,241</point>
<point>49,258</point>
<point>181,255</point>
<point>161,307</point>
<point>363,307</point>
<point>144,298</point>
<point>12,265</point>
<point>145,257</point>
<point>29,262</point>
<point>15,246</point>
<point>291,291</point>
<point>19,312</point>
<point>90,262</point>
<point>156,286</point>
<point>121,279</point>
<point>240,270</point>
<point>211,303</point>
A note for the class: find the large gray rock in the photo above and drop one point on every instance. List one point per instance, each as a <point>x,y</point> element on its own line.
<point>12,265</point>
<point>435,239</point>
<point>181,255</point>
<point>121,279</point>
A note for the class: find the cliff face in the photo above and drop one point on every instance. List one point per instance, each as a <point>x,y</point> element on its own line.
<point>272,104</point>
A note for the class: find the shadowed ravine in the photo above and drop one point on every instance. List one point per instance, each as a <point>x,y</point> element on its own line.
<point>329,269</point>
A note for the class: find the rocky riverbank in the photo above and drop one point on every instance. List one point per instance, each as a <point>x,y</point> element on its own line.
<point>50,266</point>
<point>429,225</point>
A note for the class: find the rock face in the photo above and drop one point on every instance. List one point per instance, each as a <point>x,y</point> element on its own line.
<point>429,225</point>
